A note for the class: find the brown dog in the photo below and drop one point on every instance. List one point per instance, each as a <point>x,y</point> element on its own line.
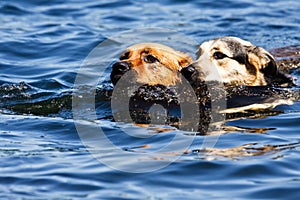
<point>153,64</point>
<point>234,61</point>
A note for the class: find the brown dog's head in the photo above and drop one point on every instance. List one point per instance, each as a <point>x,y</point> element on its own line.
<point>153,64</point>
<point>235,62</point>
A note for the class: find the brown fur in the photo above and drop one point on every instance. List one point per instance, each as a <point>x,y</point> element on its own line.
<point>153,63</point>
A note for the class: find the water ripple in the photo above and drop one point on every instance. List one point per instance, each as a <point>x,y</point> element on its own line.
<point>43,44</point>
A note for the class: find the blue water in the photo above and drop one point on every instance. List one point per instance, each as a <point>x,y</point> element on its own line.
<point>42,155</point>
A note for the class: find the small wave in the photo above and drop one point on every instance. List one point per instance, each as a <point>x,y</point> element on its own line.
<point>10,92</point>
<point>10,9</point>
<point>23,98</point>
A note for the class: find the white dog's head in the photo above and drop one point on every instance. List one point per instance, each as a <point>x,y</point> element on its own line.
<point>234,61</point>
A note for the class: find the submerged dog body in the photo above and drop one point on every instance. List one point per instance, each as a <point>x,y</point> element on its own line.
<point>234,61</point>
<point>152,63</point>
<point>229,60</point>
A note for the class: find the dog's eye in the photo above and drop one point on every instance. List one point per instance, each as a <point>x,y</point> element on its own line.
<point>150,59</point>
<point>125,56</point>
<point>219,55</point>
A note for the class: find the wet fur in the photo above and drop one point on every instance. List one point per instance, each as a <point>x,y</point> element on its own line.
<point>153,64</point>
<point>234,61</point>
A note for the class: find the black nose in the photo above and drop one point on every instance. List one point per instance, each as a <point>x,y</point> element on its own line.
<point>118,70</point>
<point>188,71</point>
<point>121,67</point>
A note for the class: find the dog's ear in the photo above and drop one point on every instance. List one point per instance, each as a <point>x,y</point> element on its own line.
<point>264,62</point>
<point>185,59</point>
<point>261,60</point>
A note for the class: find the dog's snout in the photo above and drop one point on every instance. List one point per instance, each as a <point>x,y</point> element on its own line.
<point>121,67</point>
<point>118,70</point>
<point>188,71</point>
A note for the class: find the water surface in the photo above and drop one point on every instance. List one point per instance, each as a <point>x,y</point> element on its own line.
<point>43,45</point>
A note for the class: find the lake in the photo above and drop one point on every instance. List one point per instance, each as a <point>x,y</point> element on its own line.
<point>58,136</point>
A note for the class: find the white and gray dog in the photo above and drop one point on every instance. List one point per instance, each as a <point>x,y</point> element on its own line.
<point>234,61</point>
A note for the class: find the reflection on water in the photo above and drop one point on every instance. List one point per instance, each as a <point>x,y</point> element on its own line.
<point>246,150</point>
